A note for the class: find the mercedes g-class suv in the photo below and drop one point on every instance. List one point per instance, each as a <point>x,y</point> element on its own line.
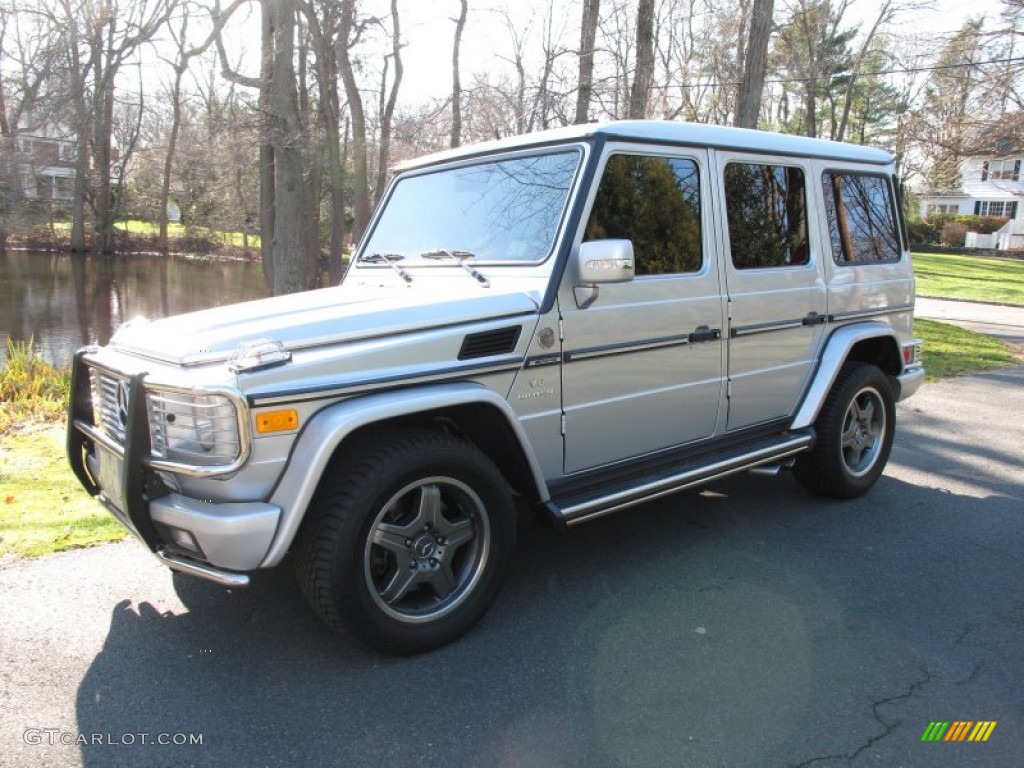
<point>575,321</point>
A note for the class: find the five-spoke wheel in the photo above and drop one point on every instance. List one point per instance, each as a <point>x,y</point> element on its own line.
<point>854,434</point>
<point>407,541</point>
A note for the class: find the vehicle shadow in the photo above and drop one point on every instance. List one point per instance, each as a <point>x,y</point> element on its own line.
<point>749,624</point>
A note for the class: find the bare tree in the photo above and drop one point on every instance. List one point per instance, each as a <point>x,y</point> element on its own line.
<point>748,101</point>
<point>460,24</point>
<point>387,109</point>
<point>349,35</point>
<point>644,73</point>
<point>588,38</point>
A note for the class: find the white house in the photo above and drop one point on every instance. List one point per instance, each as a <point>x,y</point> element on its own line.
<point>989,186</point>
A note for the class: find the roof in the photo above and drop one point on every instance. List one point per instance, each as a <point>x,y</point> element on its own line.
<point>677,133</point>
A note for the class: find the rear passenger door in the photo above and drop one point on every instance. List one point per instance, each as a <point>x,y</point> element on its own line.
<point>772,271</point>
<point>642,363</point>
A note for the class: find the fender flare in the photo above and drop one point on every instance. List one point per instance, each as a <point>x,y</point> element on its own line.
<point>323,434</point>
<point>837,349</point>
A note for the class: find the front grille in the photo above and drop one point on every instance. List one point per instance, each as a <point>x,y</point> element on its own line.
<point>110,403</point>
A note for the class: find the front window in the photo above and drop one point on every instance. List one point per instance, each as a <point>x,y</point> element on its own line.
<point>505,210</point>
<point>655,203</point>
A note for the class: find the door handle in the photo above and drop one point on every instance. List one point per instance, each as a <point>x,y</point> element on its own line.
<point>704,333</point>
<point>813,318</point>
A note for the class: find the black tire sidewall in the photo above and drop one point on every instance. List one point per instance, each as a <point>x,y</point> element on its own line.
<point>824,470</point>
<point>420,456</point>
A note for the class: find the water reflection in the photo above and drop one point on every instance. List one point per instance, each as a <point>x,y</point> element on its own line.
<point>66,301</point>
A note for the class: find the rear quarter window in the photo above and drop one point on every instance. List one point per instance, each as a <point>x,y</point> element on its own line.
<point>862,220</point>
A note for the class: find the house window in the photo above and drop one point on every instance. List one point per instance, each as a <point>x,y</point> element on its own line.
<point>1000,208</point>
<point>940,208</point>
<point>1000,170</point>
<point>25,145</point>
<point>67,152</point>
<point>63,188</point>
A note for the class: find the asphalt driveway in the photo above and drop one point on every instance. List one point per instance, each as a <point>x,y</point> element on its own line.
<point>751,624</point>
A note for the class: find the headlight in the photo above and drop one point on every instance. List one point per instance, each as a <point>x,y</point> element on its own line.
<point>201,430</point>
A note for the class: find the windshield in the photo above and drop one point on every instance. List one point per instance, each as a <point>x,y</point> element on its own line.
<point>502,210</point>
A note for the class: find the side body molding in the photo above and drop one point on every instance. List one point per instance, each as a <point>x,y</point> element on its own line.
<point>325,432</point>
<point>837,348</point>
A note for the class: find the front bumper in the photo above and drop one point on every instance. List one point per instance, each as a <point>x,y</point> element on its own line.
<point>229,537</point>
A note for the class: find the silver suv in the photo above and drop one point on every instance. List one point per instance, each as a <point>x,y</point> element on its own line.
<point>575,321</point>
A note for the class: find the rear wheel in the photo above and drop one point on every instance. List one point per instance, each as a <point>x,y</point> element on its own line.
<point>407,546</point>
<point>855,430</point>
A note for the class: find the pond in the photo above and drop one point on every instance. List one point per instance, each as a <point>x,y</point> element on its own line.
<point>64,301</point>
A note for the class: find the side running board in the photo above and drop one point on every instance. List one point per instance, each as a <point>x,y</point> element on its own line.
<point>577,508</point>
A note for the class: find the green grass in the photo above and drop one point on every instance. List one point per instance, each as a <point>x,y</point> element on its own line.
<point>952,351</point>
<point>30,388</point>
<point>176,230</point>
<point>43,509</point>
<point>969,277</point>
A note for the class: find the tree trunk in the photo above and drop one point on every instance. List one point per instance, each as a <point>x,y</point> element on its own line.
<point>388,111</point>
<point>360,182</point>
<point>460,24</point>
<point>267,166</point>
<point>748,104</point>
<point>588,38</point>
<point>290,190</point>
<point>104,128</point>
<point>883,14</point>
<point>644,73</point>
<point>172,143</point>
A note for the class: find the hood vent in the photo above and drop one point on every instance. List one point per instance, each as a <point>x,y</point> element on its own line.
<point>500,342</point>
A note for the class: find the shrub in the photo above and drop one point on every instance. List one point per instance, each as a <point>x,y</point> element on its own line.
<point>31,388</point>
<point>954,234</point>
<point>922,232</point>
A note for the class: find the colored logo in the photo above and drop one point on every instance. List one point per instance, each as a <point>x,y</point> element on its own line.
<point>958,730</point>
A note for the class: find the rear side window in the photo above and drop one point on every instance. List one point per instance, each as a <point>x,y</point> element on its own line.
<point>655,202</point>
<point>861,218</point>
<point>766,207</point>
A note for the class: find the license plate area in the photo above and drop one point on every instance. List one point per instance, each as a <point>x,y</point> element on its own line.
<point>111,479</point>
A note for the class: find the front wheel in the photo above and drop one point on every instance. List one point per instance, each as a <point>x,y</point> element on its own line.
<point>855,430</point>
<point>407,545</point>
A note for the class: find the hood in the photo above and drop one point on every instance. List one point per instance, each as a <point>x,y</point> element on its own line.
<point>313,318</point>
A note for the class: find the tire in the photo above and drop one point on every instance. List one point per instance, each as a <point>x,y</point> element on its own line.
<point>408,543</point>
<point>855,430</point>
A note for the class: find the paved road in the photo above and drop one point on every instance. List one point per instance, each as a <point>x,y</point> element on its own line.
<point>1006,323</point>
<point>748,625</point>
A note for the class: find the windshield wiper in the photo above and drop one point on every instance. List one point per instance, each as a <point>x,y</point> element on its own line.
<point>443,254</point>
<point>389,259</point>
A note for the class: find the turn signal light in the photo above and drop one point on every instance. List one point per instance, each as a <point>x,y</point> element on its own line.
<point>277,421</point>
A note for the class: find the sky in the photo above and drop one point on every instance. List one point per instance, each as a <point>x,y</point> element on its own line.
<point>428,29</point>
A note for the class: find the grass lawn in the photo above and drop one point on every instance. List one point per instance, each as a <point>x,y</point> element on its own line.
<point>43,509</point>
<point>952,351</point>
<point>969,277</point>
<point>174,230</point>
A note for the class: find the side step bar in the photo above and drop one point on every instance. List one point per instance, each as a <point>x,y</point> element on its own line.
<point>678,479</point>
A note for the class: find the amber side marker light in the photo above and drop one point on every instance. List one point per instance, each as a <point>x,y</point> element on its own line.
<point>277,421</point>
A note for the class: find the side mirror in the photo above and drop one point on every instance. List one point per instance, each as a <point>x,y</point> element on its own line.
<point>606,261</point>
<point>602,261</point>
